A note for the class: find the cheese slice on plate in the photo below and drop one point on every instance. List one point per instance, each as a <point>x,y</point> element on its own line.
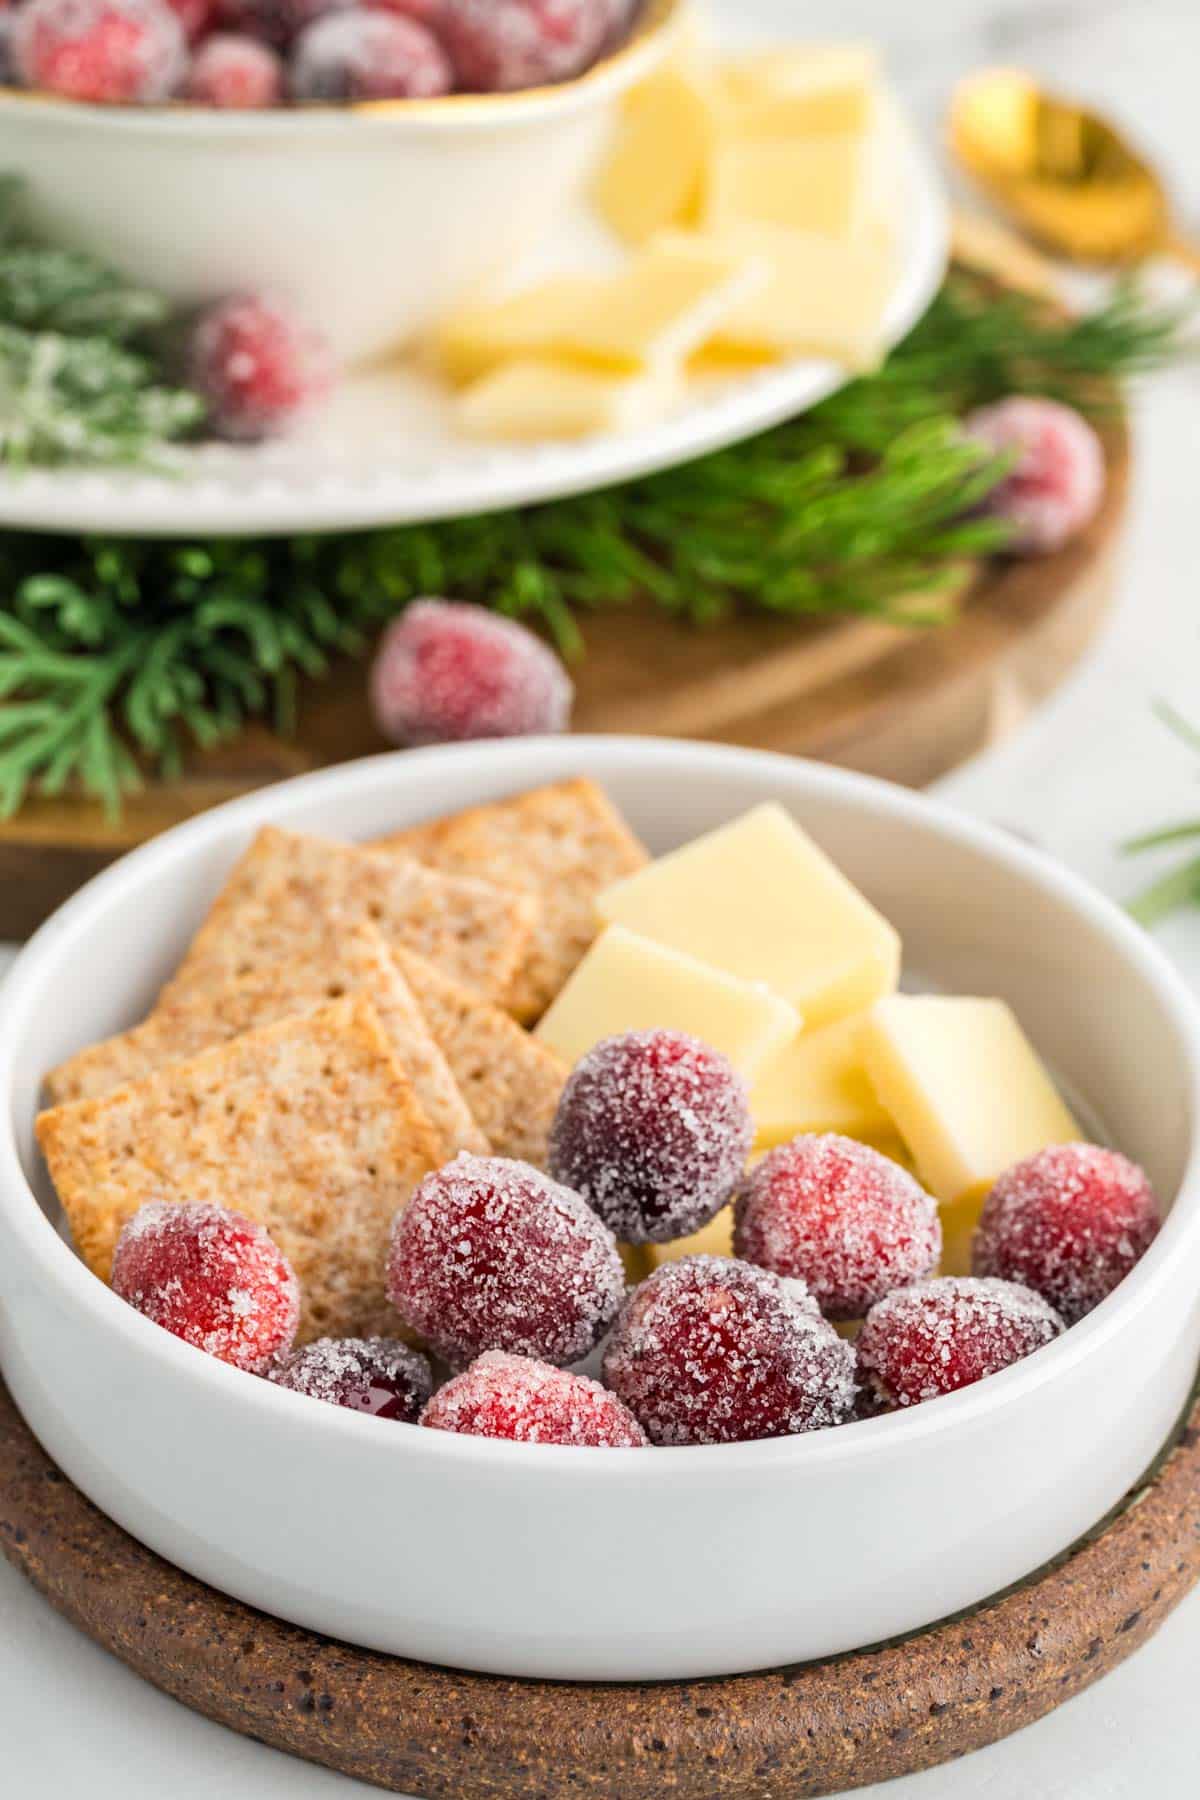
<point>821,184</point>
<point>535,400</point>
<point>799,90</point>
<point>656,171</point>
<point>819,1084</point>
<point>968,1092</point>
<point>758,898</point>
<point>628,983</point>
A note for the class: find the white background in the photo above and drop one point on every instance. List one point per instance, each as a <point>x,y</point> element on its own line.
<point>1094,767</point>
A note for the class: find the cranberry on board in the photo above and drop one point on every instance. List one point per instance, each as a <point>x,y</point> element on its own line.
<point>364,55</point>
<point>530,1402</point>
<point>110,51</point>
<point>1070,1223</point>
<point>447,671</point>
<point>653,1129</point>
<point>492,1255</point>
<point>841,1217</point>
<point>379,1376</point>
<point>1055,488</point>
<point>212,1278</point>
<point>937,1336</point>
<point>257,366</point>
<point>713,1351</point>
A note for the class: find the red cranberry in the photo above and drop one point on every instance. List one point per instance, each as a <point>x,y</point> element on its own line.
<point>235,73</point>
<point>493,1255</point>
<point>1056,487</point>
<point>500,45</point>
<point>712,1351</point>
<point>111,51</point>
<point>274,22</point>
<point>362,55</point>
<point>653,1129</point>
<point>1070,1223</point>
<point>941,1335</point>
<point>446,672</point>
<point>529,1402</point>
<point>841,1217</point>
<point>212,1278</point>
<point>195,16</point>
<point>256,366</point>
<point>379,1376</point>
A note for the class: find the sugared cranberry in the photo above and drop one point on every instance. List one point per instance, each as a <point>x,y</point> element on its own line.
<point>941,1335</point>
<point>653,1129</point>
<point>493,1255</point>
<point>196,17</point>
<point>1070,1223</point>
<point>211,1277</point>
<point>446,672</point>
<point>500,45</point>
<point>712,1351</point>
<point>1055,488</point>
<point>257,367</point>
<point>275,22</point>
<point>529,1402</point>
<point>362,55</point>
<point>112,51</point>
<point>379,1376</point>
<point>236,73</point>
<point>425,12</point>
<point>841,1217</point>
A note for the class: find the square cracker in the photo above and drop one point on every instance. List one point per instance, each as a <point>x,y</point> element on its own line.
<point>308,1127</point>
<point>335,960</point>
<point>476,932</point>
<point>510,1082</point>
<point>564,843</point>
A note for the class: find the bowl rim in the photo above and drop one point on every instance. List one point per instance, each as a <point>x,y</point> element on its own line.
<point>618,68</point>
<point>545,759</point>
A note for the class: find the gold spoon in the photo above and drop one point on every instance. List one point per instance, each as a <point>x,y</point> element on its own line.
<point>1063,173</point>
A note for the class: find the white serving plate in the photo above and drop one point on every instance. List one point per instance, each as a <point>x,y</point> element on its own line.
<point>387,450</point>
<point>565,1563</point>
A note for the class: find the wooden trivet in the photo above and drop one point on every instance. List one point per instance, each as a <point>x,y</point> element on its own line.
<point>818,1728</point>
<point>888,699</point>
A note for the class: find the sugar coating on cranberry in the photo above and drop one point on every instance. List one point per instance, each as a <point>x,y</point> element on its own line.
<point>195,16</point>
<point>1054,490</point>
<point>447,671</point>
<point>528,1402</point>
<point>211,1277</point>
<point>379,1376</point>
<point>363,55</point>
<point>836,1214</point>
<point>257,367</point>
<point>500,45</point>
<point>938,1336</point>
<point>234,72</point>
<point>713,1351</point>
<point>116,52</point>
<point>653,1129</point>
<point>492,1255</point>
<point>1070,1223</point>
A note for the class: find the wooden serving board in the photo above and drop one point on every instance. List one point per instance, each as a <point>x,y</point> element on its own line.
<point>890,699</point>
<point>814,1729</point>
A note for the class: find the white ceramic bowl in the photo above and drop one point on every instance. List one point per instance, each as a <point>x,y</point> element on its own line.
<point>581,1563</point>
<point>373,219</point>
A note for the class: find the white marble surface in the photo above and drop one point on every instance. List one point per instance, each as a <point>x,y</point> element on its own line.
<point>1093,767</point>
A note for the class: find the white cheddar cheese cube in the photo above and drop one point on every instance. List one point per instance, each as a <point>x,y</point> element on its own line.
<point>968,1092</point>
<point>797,91</point>
<point>534,399</point>
<point>819,1084</point>
<point>818,184</point>
<point>628,983</point>
<point>759,899</point>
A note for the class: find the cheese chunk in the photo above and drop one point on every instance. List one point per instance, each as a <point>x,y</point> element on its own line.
<point>713,1239</point>
<point>823,296</point>
<point>628,983</point>
<point>966,1088</point>
<point>823,184</point>
<point>534,399</point>
<point>653,313</point>
<point>760,900</point>
<point>656,171</point>
<point>819,1084</point>
<point>794,92</point>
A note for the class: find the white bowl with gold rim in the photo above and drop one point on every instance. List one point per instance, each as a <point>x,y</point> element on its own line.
<point>374,220</point>
<point>624,1565</point>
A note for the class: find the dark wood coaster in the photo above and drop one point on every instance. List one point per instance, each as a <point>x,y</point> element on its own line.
<point>885,698</point>
<point>815,1729</point>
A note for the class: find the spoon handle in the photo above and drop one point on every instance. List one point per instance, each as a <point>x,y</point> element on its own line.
<point>1182,250</point>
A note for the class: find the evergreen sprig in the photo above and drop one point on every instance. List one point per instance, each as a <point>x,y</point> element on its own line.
<point>127,653</point>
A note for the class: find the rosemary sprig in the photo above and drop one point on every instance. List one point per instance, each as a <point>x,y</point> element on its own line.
<point>127,653</point>
<point>1180,886</point>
